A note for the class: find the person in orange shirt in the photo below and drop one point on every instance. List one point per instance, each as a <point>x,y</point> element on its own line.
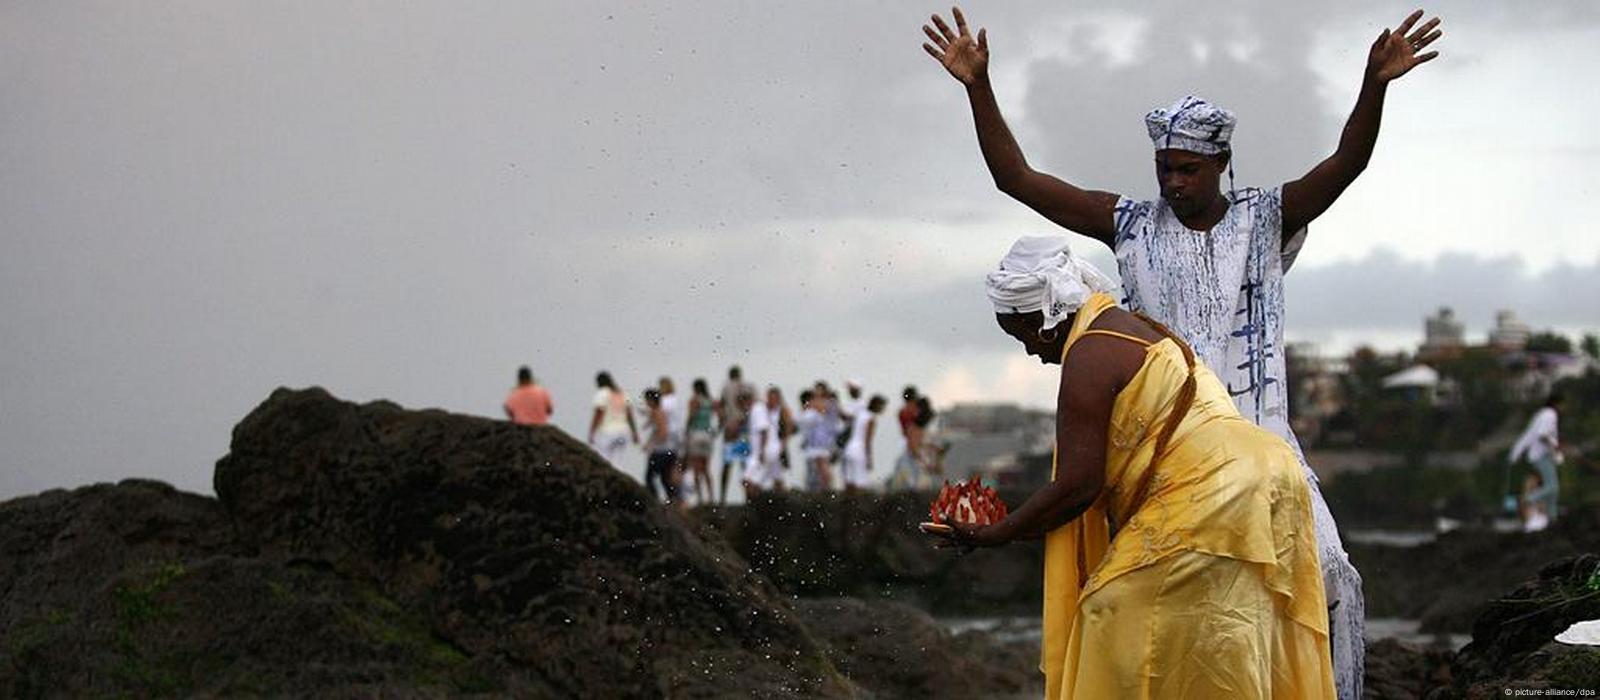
<point>529,403</point>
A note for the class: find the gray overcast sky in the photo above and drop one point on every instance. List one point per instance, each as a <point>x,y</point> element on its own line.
<point>200,201</point>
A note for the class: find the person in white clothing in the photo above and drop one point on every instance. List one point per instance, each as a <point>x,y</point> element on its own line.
<point>612,426</point>
<point>817,432</point>
<point>673,408</point>
<point>788,478</point>
<point>765,471</point>
<point>1540,446</point>
<point>1209,264</point>
<point>855,402</point>
<point>858,451</point>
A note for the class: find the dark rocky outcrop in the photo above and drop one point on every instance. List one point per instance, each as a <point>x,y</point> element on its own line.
<point>1513,643</point>
<point>370,551</point>
<point>868,546</point>
<point>1398,671</point>
<point>137,589</point>
<point>1445,583</point>
<point>1513,647</point>
<point>52,542</point>
<point>516,544</point>
<point>819,545</point>
<point>897,651</point>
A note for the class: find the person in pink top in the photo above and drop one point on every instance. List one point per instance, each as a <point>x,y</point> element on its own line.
<point>529,403</point>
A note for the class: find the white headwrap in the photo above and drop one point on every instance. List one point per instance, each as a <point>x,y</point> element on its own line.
<point>1191,124</point>
<point>1041,274</point>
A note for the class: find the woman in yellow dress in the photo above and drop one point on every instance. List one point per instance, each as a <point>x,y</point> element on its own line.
<point>1179,551</point>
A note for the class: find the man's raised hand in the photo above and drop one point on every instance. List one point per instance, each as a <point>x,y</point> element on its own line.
<point>966,58</point>
<point>1396,51</point>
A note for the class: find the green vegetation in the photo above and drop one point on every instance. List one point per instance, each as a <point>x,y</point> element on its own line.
<point>1574,667</point>
<point>33,633</point>
<point>1481,392</point>
<point>1412,494</point>
<point>137,604</point>
<point>279,591</point>
<point>1592,584</point>
<point>150,647</point>
<point>1580,417</point>
<point>139,667</point>
<point>1548,342</point>
<point>1577,668</point>
<point>1482,403</point>
<point>31,636</point>
<point>1388,419</point>
<point>381,621</point>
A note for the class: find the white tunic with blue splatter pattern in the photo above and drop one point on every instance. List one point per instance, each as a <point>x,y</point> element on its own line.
<point>1222,291</point>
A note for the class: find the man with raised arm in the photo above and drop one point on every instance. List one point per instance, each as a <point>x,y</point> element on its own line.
<point>1209,263</point>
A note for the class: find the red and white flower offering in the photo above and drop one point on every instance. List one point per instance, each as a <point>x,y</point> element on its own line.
<point>968,502</point>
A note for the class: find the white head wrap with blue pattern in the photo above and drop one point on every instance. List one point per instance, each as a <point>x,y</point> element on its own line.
<point>1191,124</point>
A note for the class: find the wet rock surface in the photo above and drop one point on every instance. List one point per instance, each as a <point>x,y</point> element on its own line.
<point>868,546</point>
<point>813,545</point>
<point>817,545</point>
<point>370,551</point>
<point>896,651</point>
<point>1513,643</point>
<point>1399,671</point>
<point>137,589</point>
<point>359,550</point>
<point>514,543</point>
<point>1445,583</point>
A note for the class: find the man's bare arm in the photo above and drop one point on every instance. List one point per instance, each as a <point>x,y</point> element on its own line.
<point>1088,212</point>
<point>966,57</point>
<point>1393,54</point>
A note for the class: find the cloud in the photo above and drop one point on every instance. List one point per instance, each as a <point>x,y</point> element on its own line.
<point>1381,296</point>
<point>206,202</point>
<point>1385,292</point>
<point>1085,107</point>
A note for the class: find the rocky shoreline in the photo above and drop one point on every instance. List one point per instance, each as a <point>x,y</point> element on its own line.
<point>371,551</point>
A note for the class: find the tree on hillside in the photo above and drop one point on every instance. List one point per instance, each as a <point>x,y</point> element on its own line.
<point>1591,345</point>
<point>1381,419</point>
<point>1482,383</point>
<point>1548,341</point>
<point>1367,370</point>
<point>1580,416</point>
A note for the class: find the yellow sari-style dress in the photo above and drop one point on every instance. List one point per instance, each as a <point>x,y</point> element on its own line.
<point>1195,573</point>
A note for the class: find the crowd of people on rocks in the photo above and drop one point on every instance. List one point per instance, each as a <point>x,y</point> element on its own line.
<point>821,443</point>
